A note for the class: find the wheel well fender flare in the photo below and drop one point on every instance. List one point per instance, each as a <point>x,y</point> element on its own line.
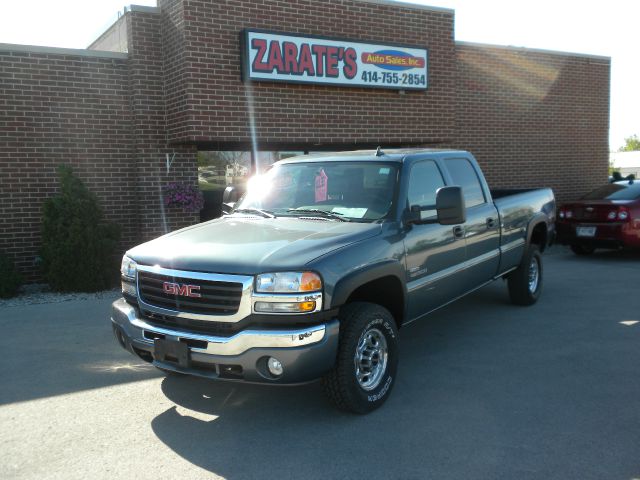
<point>537,220</point>
<point>350,283</point>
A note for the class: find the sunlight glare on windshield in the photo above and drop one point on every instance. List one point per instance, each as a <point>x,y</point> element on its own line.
<point>258,187</point>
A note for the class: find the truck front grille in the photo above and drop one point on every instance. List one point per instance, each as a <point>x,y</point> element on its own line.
<point>218,329</point>
<point>216,298</point>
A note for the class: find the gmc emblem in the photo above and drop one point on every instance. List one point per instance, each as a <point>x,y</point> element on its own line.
<point>183,290</point>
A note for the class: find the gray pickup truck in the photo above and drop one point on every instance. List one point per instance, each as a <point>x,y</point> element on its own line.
<point>320,264</point>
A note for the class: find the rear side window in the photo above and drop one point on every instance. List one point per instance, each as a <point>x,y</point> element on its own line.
<point>464,175</point>
<point>424,182</point>
<point>615,191</point>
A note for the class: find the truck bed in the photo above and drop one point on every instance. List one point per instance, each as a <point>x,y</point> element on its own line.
<point>516,208</point>
<point>506,192</point>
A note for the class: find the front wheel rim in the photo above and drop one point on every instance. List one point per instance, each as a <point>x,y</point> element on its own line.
<point>534,275</point>
<point>371,359</point>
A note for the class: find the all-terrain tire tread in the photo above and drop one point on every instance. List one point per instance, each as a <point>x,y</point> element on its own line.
<point>518,280</point>
<point>334,382</point>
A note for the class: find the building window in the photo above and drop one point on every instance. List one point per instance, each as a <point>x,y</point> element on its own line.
<point>219,169</point>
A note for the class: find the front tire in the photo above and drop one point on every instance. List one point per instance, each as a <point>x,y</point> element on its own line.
<point>525,283</point>
<point>367,360</point>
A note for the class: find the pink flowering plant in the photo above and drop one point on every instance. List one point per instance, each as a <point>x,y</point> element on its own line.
<point>183,195</point>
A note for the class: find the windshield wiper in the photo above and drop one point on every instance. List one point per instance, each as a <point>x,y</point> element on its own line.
<point>323,213</point>
<point>263,213</point>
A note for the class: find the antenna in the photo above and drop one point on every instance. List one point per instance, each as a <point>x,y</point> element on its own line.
<point>379,152</point>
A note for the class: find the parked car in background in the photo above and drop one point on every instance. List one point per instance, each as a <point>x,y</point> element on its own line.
<point>607,217</point>
<point>617,177</point>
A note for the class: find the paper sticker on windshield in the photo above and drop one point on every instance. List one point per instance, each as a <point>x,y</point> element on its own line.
<point>321,186</point>
<point>350,212</point>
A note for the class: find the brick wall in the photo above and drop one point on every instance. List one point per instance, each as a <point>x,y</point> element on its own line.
<point>103,114</point>
<point>61,109</point>
<point>218,102</point>
<point>147,89</point>
<point>534,118</point>
<point>531,118</point>
<point>175,69</point>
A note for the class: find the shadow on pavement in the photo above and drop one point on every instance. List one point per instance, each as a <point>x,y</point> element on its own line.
<point>484,390</point>
<point>252,431</point>
<point>60,348</point>
<point>611,256</point>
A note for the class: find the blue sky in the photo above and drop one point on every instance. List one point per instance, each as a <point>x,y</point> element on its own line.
<point>587,26</point>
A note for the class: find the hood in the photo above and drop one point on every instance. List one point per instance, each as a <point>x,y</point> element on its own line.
<point>250,245</point>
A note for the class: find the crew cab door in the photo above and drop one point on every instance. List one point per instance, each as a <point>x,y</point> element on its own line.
<point>435,253</point>
<point>482,228</point>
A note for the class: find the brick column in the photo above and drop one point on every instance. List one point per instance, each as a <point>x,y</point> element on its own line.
<point>148,104</point>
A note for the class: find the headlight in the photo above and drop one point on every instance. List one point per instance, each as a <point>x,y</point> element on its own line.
<point>128,268</point>
<point>288,282</point>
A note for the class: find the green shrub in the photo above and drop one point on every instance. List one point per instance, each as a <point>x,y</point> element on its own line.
<point>77,244</point>
<point>10,279</point>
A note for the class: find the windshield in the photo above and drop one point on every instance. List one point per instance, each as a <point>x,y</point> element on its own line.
<point>353,191</point>
<point>615,191</point>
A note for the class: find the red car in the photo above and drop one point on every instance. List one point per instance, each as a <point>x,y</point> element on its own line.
<point>608,217</point>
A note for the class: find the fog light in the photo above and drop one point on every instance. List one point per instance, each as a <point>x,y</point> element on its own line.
<point>285,307</point>
<point>275,367</point>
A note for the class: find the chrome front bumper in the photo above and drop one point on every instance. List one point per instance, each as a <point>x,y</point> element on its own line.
<point>305,353</point>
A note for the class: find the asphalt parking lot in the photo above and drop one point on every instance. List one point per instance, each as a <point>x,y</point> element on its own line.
<point>486,390</point>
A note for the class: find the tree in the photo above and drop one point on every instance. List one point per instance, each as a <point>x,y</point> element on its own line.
<point>78,246</point>
<point>632,144</point>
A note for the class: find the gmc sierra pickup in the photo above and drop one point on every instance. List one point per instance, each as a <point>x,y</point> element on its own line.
<point>320,264</point>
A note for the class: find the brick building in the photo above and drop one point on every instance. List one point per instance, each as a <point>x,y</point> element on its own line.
<point>160,98</point>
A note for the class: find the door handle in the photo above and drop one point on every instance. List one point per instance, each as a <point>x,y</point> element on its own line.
<point>458,231</point>
<point>491,222</point>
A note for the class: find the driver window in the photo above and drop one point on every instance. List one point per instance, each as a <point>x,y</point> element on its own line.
<point>424,181</point>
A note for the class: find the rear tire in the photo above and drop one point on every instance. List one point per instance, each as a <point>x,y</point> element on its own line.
<point>580,249</point>
<point>367,360</point>
<point>525,283</point>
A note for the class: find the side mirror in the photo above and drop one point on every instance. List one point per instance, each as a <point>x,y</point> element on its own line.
<point>230,195</point>
<point>227,208</point>
<point>450,206</point>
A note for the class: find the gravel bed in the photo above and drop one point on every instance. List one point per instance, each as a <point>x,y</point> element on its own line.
<point>38,294</point>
